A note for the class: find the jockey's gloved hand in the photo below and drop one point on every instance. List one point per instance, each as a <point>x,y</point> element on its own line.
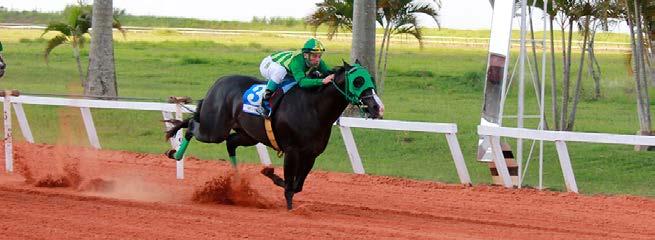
<point>315,74</point>
<point>328,79</point>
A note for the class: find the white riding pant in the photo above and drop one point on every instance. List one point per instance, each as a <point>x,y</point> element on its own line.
<point>271,70</point>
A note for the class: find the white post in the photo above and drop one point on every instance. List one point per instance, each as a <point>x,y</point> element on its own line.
<point>179,167</point>
<point>175,143</point>
<point>351,148</point>
<point>458,157</point>
<point>565,163</point>
<point>22,122</point>
<point>499,160</point>
<point>9,150</point>
<point>543,94</point>
<point>90,127</point>
<point>521,93</point>
<point>264,158</point>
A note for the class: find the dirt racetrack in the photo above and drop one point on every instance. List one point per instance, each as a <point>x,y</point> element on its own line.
<point>79,193</point>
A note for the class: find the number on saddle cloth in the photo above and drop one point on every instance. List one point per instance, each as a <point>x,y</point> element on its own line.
<point>252,98</point>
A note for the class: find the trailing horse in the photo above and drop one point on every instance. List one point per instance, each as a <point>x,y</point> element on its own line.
<point>302,122</point>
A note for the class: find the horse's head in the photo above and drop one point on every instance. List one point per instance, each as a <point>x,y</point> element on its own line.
<point>359,88</point>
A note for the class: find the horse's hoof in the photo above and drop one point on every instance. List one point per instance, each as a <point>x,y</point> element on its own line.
<point>170,153</point>
<point>268,171</point>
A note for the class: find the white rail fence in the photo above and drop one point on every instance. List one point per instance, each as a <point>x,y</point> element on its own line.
<point>170,111</point>
<point>492,134</point>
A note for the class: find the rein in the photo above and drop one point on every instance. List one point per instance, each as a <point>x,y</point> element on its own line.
<point>351,98</point>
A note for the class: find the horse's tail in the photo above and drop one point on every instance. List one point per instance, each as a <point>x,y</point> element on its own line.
<point>178,124</point>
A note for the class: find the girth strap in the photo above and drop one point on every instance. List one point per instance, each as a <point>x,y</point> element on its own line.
<point>271,136</point>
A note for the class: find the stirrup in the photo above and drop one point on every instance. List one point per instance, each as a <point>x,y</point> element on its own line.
<point>263,112</point>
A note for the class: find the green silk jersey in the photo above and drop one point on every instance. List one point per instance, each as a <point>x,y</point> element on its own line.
<point>294,62</point>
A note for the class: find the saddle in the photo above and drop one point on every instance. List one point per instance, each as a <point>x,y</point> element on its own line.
<point>252,98</point>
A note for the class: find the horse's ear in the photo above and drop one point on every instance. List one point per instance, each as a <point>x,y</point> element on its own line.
<point>345,64</point>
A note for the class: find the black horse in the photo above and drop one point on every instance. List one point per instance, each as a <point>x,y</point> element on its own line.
<point>302,122</point>
<point>2,65</point>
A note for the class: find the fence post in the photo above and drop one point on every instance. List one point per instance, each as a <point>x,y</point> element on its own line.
<point>9,149</point>
<point>23,123</point>
<point>351,148</point>
<point>458,157</point>
<point>499,160</point>
<point>565,163</point>
<point>90,127</point>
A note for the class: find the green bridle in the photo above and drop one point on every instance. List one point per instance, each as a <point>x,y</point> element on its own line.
<point>357,80</point>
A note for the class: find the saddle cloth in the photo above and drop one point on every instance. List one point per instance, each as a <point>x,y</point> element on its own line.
<point>252,98</point>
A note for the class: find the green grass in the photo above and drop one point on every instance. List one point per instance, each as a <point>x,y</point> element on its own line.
<point>275,24</point>
<point>435,84</point>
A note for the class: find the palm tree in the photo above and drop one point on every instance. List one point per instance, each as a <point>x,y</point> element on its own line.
<point>633,14</point>
<point>78,22</point>
<point>363,41</point>
<point>395,16</point>
<point>400,17</point>
<point>101,79</point>
<point>73,31</point>
<point>335,14</point>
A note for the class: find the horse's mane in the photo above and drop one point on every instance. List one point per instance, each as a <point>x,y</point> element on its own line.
<point>338,70</point>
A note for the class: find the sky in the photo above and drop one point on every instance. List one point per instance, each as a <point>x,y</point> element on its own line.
<point>458,14</point>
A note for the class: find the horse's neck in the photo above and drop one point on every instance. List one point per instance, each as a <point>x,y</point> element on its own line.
<point>330,104</point>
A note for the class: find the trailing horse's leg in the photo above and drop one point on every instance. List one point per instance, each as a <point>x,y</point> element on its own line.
<point>183,145</point>
<point>270,173</point>
<point>303,171</point>
<point>178,125</point>
<point>291,166</point>
<point>237,139</point>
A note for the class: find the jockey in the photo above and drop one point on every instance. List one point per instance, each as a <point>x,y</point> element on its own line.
<point>305,66</point>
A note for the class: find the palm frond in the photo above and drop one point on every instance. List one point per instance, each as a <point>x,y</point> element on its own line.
<point>117,25</point>
<point>336,14</point>
<point>53,43</point>
<point>425,8</point>
<point>59,27</point>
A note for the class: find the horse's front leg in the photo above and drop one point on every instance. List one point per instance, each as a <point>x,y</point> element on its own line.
<point>303,171</point>
<point>291,166</point>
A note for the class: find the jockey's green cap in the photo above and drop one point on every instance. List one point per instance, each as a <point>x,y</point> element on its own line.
<point>313,45</point>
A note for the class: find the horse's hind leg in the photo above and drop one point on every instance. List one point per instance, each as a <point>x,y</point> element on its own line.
<point>183,145</point>
<point>270,173</point>
<point>177,126</point>
<point>237,139</point>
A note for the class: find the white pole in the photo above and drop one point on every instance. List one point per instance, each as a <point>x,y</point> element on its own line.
<point>519,117</point>
<point>9,150</point>
<point>179,165</point>
<point>542,122</point>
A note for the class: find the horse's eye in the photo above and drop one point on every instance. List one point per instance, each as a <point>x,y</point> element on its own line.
<point>358,82</point>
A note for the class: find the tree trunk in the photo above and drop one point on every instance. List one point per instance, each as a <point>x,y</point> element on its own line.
<point>363,41</point>
<point>76,54</point>
<point>102,74</point>
<point>594,68</point>
<point>644,119</point>
<point>381,52</point>
<point>553,73</point>
<point>565,79</point>
<point>386,40</point>
<point>578,82</point>
<point>386,60</point>
<point>536,78</point>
